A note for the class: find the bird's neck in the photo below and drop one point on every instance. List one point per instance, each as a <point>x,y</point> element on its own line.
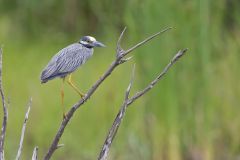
<point>86,45</point>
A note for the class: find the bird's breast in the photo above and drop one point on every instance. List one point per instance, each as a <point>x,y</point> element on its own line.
<point>87,53</point>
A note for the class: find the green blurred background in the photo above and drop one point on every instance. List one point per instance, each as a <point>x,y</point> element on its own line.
<point>192,114</point>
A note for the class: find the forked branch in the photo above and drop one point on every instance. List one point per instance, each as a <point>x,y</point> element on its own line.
<point>120,55</point>
<point>178,55</point>
<point>128,101</point>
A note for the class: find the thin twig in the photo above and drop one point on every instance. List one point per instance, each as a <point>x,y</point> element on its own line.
<point>5,112</point>
<point>145,41</point>
<point>23,130</point>
<point>60,146</point>
<point>159,77</point>
<point>119,50</point>
<point>130,84</point>
<point>90,92</point>
<point>117,122</point>
<point>35,153</point>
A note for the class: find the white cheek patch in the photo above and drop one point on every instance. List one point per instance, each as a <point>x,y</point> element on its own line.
<point>84,42</point>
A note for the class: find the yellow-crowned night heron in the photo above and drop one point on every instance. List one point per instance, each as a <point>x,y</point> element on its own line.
<point>68,60</point>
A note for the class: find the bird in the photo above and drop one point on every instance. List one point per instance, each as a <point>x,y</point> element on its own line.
<point>68,60</point>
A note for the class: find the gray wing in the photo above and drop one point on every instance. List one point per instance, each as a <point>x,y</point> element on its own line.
<point>66,61</point>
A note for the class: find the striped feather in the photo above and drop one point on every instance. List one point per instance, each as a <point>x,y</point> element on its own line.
<point>66,61</point>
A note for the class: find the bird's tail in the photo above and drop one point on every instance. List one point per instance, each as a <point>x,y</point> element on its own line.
<point>43,77</point>
<point>43,81</point>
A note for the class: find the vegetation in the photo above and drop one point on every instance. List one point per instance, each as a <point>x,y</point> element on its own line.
<point>192,113</point>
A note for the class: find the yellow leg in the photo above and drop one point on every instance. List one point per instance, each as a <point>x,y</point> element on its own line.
<point>73,86</point>
<point>62,98</point>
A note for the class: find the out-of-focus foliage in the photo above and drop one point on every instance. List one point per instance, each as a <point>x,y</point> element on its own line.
<point>32,17</point>
<point>191,114</point>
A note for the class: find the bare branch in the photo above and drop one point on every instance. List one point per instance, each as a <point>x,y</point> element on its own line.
<point>23,130</point>
<point>117,122</point>
<point>145,41</point>
<point>5,112</point>
<point>90,92</point>
<point>113,130</point>
<point>119,50</point>
<point>130,84</point>
<point>35,153</point>
<point>159,77</point>
<point>120,37</point>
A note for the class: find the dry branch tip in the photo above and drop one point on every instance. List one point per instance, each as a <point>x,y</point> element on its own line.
<point>121,35</point>
<point>35,153</point>
<point>5,112</point>
<point>23,129</point>
<point>179,54</point>
<point>130,83</point>
<point>146,40</point>
<point>60,146</point>
<point>120,51</point>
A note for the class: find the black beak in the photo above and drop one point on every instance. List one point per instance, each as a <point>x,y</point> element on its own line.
<point>98,44</point>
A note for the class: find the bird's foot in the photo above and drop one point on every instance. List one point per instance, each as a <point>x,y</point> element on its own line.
<point>83,96</point>
<point>64,116</point>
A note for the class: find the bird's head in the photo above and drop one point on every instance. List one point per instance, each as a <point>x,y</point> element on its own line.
<point>90,42</point>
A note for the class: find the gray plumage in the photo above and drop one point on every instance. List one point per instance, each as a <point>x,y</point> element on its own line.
<point>69,59</point>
